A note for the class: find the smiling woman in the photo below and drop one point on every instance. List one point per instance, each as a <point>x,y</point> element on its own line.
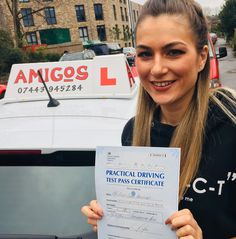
<point>168,62</point>
<point>176,108</point>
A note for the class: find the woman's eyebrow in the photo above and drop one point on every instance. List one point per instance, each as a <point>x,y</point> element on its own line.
<point>167,46</point>
<point>172,44</point>
<point>143,47</point>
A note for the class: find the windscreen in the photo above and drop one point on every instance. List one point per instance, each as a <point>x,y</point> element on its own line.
<point>45,200</point>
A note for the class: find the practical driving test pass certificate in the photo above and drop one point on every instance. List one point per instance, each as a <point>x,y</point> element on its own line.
<point>137,187</point>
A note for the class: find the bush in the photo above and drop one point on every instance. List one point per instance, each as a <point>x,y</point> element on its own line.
<point>40,56</point>
<point>15,56</point>
<point>52,57</point>
<point>6,41</point>
<point>234,40</point>
<point>10,55</point>
<point>35,56</point>
<point>6,44</point>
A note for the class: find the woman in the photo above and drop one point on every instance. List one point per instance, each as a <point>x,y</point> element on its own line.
<point>177,109</point>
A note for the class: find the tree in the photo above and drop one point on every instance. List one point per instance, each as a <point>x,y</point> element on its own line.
<point>127,33</point>
<point>17,17</point>
<point>228,18</point>
<point>115,32</point>
<point>9,55</point>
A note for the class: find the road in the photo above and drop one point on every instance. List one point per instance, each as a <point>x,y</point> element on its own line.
<point>227,66</point>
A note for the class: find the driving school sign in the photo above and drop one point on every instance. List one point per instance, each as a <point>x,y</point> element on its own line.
<point>104,76</point>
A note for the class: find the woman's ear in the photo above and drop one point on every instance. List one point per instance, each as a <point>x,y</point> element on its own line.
<point>203,57</point>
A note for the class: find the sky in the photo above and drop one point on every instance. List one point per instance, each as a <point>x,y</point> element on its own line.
<point>204,3</point>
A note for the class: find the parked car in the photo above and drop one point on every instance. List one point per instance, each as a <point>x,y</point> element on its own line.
<point>2,90</point>
<point>214,64</point>
<point>114,48</point>
<point>84,55</point>
<point>47,151</point>
<point>213,37</point>
<point>130,53</point>
<point>102,48</point>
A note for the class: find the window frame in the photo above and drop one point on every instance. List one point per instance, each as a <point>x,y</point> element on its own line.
<point>32,35</point>
<point>83,37</point>
<point>28,19</point>
<point>99,28</point>
<point>80,13</point>
<point>51,18</point>
<point>98,12</point>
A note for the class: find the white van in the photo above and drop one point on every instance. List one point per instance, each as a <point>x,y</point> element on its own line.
<point>47,150</point>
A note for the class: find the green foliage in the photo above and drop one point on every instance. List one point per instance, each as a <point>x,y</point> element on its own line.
<point>15,56</point>
<point>5,40</point>
<point>40,56</point>
<point>228,18</point>
<point>234,40</point>
<point>10,55</point>
<point>115,32</point>
<point>52,57</point>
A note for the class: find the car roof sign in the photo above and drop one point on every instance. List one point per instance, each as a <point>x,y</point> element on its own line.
<point>101,77</point>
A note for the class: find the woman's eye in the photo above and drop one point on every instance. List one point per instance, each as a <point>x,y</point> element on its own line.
<point>175,52</point>
<point>144,54</point>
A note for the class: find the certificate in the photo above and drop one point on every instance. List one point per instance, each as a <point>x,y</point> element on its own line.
<point>137,187</point>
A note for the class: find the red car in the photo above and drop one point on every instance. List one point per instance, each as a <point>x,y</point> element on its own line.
<point>2,90</point>
<point>214,69</point>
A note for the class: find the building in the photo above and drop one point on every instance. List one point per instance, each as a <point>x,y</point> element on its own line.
<point>65,25</point>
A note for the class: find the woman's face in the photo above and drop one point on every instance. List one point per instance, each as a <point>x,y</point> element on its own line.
<point>167,60</point>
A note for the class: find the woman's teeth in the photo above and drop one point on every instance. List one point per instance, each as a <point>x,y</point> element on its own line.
<point>162,84</point>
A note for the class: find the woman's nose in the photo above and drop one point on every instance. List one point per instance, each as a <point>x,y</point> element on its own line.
<point>159,66</point>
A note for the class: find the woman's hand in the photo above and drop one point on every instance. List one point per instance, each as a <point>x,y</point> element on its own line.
<point>93,212</point>
<point>185,225</point>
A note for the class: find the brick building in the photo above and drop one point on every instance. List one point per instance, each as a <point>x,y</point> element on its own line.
<point>65,25</point>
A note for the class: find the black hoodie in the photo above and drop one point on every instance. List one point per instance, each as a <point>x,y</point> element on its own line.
<point>211,197</point>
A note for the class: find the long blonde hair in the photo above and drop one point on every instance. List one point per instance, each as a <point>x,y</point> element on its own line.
<point>189,134</point>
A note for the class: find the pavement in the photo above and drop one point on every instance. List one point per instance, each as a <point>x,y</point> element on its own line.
<point>227,65</point>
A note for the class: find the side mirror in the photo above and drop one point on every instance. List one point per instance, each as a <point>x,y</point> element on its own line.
<point>222,52</point>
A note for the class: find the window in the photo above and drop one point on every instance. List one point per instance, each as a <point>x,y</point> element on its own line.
<point>134,13</point>
<point>50,15</point>
<point>80,13</point>
<point>124,1</point>
<point>114,12</point>
<point>126,15</point>
<point>20,1</point>
<point>83,33</point>
<point>54,36</point>
<point>101,32</point>
<point>122,15</point>
<point>31,38</point>
<point>37,191</point>
<point>98,11</point>
<point>27,17</point>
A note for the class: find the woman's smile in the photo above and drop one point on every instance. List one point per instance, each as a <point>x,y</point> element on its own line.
<point>162,85</point>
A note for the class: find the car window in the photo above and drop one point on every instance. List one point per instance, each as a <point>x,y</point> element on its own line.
<point>43,196</point>
<point>129,50</point>
<point>72,56</point>
<point>100,49</point>
<point>113,46</point>
<point>84,55</point>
